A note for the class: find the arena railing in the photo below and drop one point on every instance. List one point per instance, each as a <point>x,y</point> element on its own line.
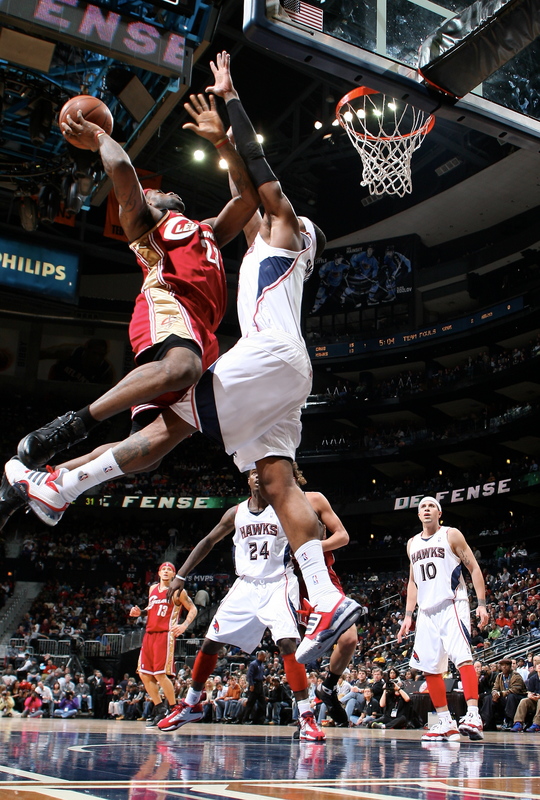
<point>54,647</point>
<point>112,644</point>
<point>187,647</point>
<point>20,645</point>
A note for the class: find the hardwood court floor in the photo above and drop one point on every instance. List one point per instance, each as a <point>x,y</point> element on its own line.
<point>105,760</point>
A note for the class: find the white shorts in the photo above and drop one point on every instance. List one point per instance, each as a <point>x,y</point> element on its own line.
<point>251,606</point>
<point>442,635</point>
<point>249,400</point>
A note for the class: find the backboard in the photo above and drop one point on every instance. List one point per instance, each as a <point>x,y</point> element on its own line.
<point>375,43</point>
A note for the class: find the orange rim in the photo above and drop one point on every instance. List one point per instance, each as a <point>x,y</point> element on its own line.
<point>362,91</point>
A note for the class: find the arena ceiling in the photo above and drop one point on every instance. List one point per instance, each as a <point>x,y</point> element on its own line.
<point>319,168</point>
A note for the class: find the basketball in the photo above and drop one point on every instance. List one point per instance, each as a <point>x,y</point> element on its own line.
<point>93,110</point>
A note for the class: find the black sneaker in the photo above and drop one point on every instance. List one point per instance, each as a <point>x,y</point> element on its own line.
<point>40,447</point>
<point>10,500</point>
<point>159,713</point>
<point>335,709</point>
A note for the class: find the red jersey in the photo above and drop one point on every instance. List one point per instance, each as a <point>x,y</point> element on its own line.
<point>180,259</point>
<point>162,615</point>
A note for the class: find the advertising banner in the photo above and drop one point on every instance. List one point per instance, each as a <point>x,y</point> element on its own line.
<point>39,270</point>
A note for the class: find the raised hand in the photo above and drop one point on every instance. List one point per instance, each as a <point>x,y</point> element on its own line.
<point>223,85</point>
<point>84,131</point>
<point>207,123</point>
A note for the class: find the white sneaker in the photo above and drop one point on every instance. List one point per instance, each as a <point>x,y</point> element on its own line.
<point>180,715</point>
<point>471,725</point>
<point>324,629</point>
<point>442,732</point>
<point>39,489</point>
<point>309,730</point>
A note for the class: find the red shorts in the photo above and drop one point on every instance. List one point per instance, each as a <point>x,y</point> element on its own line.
<point>157,654</point>
<point>153,322</point>
<point>158,313</point>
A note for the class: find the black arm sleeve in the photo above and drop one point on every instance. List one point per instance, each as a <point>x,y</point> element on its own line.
<point>247,144</point>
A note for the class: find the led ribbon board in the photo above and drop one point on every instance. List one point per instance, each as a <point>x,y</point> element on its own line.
<point>83,24</point>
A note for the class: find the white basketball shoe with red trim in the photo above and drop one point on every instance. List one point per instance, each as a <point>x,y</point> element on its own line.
<point>442,732</point>
<point>309,730</point>
<point>40,490</point>
<point>181,714</point>
<point>324,629</point>
<point>471,725</point>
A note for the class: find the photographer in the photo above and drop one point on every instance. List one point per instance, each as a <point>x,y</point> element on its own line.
<point>371,711</point>
<point>395,705</point>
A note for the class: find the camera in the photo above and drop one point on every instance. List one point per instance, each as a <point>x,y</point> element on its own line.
<point>391,686</point>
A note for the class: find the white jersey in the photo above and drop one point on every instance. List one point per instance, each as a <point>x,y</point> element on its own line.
<point>436,570</point>
<point>270,285</point>
<point>261,549</point>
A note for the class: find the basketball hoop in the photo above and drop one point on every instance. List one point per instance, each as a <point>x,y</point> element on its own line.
<point>385,132</point>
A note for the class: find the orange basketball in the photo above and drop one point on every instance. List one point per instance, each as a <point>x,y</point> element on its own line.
<point>93,110</point>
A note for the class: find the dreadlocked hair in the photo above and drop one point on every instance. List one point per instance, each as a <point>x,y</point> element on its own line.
<point>298,475</point>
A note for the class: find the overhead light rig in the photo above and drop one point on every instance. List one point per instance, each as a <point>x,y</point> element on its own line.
<point>54,64</point>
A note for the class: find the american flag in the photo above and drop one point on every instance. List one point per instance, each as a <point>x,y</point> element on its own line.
<point>302,12</point>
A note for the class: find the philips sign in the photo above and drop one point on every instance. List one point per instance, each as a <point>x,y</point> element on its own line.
<point>39,270</point>
<point>80,23</point>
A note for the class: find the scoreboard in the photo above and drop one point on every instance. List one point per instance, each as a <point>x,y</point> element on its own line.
<point>436,331</point>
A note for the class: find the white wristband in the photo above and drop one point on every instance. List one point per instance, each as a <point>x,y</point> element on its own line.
<point>180,577</point>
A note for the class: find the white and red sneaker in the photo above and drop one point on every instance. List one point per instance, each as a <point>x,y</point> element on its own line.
<point>309,730</point>
<point>442,732</point>
<point>324,629</point>
<point>471,725</point>
<point>40,490</point>
<point>180,715</point>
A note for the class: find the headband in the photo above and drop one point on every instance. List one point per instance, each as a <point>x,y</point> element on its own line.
<point>167,564</point>
<point>432,499</point>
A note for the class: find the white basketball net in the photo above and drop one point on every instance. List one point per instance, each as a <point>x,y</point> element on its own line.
<point>385,132</point>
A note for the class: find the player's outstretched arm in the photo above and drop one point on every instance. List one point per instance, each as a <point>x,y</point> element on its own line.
<point>238,211</point>
<point>202,548</point>
<point>136,216</point>
<point>462,550</point>
<point>284,229</point>
<point>337,535</point>
<point>253,226</point>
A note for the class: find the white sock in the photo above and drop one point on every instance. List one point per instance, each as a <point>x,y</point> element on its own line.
<point>321,591</point>
<point>445,717</point>
<point>193,697</point>
<point>77,481</point>
<point>303,706</point>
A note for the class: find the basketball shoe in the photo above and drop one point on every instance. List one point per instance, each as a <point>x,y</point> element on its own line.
<point>324,629</point>
<point>10,500</point>
<point>471,725</point>
<point>40,490</point>
<point>160,712</point>
<point>180,715</point>
<point>309,730</point>
<point>442,732</point>
<point>40,447</point>
<point>330,699</point>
